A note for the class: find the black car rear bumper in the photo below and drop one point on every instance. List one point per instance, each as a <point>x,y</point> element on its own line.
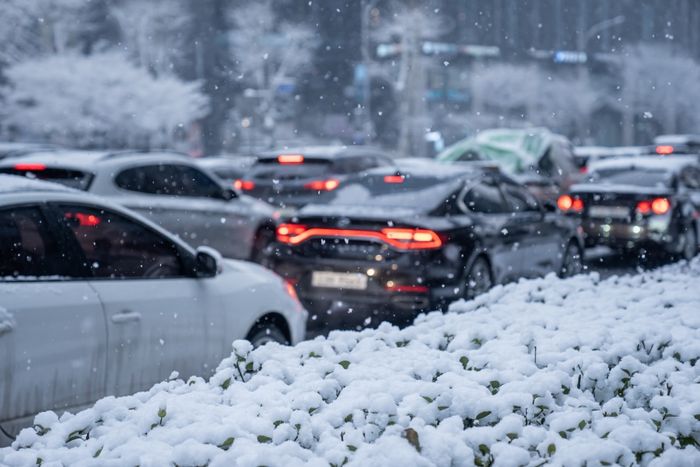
<point>397,288</point>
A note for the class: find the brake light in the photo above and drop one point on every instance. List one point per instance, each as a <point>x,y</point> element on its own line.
<point>290,159</point>
<point>30,166</point>
<point>583,170</point>
<point>664,149</point>
<point>393,179</point>
<point>400,238</point>
<point>323,185</point>
<point>84,220</point>
<point>286,232</point>
<point>391,287</point>
<point>567,203</point>
<point>243,185</point>
<point>656,206</point>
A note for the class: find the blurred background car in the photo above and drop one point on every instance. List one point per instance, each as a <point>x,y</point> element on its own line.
<point>389,244</point>
<point>228,168</point>
<point>541,160</point>
<point>584,155</point>
<point>647,202</point>
<point>291,178</point>
<point>95,301</point>
<point>169,188</point>
<point>677,144</point>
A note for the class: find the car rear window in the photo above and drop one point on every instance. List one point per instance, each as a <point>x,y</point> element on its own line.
<point>272,169</point>
<point>410,191</point>
<point>67,177</point>
<point>633,176</point>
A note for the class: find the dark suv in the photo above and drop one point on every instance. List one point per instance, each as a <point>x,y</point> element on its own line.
<point>295,177</point>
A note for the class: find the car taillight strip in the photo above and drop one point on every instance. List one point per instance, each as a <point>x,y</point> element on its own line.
<point>402,239</point>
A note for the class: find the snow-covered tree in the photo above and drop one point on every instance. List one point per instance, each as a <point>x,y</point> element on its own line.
<point>152,32</point>
<point>410,25</point>
<point>99,100</point>
<point>528,95</point>
<point>269,52</point>
<point>662,85</point>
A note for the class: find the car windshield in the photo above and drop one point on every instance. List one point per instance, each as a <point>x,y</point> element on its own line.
<point>633,176</point>
<point>410,191</point>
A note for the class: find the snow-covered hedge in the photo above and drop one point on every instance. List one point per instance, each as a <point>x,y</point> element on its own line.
<point>570,372</point>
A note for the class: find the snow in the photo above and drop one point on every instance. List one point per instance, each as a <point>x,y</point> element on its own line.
<point>16,184</point>
<point>568,372</point>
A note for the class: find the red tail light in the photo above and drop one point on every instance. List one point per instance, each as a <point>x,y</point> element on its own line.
<point>391,287</point>
<point>567,203</point>
<point>400,238</point>
<point>664,149</point>
<point>393,179</point>
<point>583,170</point>
<point>290,159</point>
<point>243,185</point>
<point>287,232</point>
<point>323,185</point>
<point>656,206</point>
<point>30,166</point>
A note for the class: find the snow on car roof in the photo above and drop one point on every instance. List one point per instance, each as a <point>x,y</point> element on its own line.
<point>677,139</point>
<point>87,159</point>
<point>17,184</point>
<point>559,371</point>
<point>652,162</point>
<point>321,152</point>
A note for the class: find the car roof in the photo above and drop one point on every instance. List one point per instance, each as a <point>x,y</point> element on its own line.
<point>18,184</point>
<point>322,152</point>
<point>677,139</point>
<point>85,160</point>
<point>653,162</point>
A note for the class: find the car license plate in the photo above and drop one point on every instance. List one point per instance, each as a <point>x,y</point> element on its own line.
<point>616,212</point>
<point>339,280</point>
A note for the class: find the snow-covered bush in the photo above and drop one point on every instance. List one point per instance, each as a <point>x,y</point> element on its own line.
<point>568,372</point>
<point>98,100</point>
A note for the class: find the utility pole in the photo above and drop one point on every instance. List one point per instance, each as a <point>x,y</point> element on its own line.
<point>366,10</point>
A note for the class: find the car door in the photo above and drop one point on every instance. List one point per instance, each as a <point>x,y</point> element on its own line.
<point>189,203</point>
<point>52,328</point>
<point>159,319</point>
<point>502,236</point>
<point>542,243</point>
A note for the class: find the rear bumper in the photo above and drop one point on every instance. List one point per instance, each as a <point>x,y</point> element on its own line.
<point>648,233</point>
<point>396,291</point>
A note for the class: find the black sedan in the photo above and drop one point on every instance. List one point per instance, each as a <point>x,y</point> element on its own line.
<point>389,244</point>
<point>647,203</point>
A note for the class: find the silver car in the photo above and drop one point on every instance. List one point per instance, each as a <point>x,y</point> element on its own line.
<point>96,300</point>
<point>168,188</point>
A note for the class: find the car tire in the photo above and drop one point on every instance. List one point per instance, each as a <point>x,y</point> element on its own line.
<point>265,333</point>
<point>478,280</point>
<point>262,253</point>
<point>690,243</point>
<point>572,261</point>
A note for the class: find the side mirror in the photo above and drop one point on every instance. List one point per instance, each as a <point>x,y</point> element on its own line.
<point>208,262</point>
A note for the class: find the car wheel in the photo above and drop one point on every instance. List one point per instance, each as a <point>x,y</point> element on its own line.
<point>572,263</point>
<point>478,280</point>
<point>690,243</point>
<point>262,248</point>
<point>266,333</point>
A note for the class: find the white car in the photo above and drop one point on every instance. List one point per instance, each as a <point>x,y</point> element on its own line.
<point>97,301</point>
<point>169,188</point>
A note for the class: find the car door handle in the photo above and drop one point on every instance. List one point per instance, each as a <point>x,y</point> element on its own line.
<point>126,316</point>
